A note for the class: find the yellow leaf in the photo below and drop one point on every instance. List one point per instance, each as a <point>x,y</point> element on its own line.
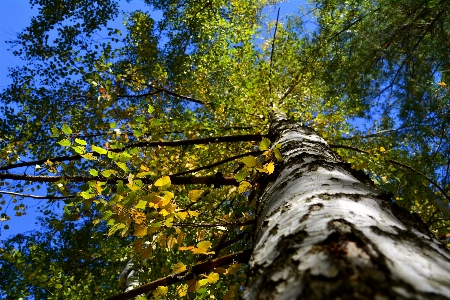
<point>270,167</point>
<point>243,186</point>
<point>442,84</point>
<point>249,161</point>
<point>203,282</point>
<point>160,291</point>
<point>140,230</point>
<point>182,290</point>
<point>182,215</point>
<point>195,194</point>
<point>168,196</point>
<point>187,248</point>
<point>382,149</point>
<point>171,242</point>
<point>180,238</point>
<point>163,212</point>
<point>213,277</point>
<point>202,247</point>
<point>193,213</point>
<point>162,181</point>
<point>179,267</point>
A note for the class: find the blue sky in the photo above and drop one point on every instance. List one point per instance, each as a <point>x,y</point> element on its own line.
<point>15,15</point>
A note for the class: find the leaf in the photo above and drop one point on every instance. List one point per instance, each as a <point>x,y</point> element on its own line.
<point>150,109</point>
<point>202,248</point>
<point>171,242</point>
<point>81,142</point>
<point>65,143</point>
<point>99,150</point>
<point>243,186</point>
<point>270,167</point>
<point>179,267</point>
<point>277,153</point>
<point>264,145</point>
<point>108,173</point>
<point>249,161</point>
<point>213,277</point>
<point>66,129</point>
<point>193,213</point>
<point>163,181</point>
<point>140,230</point>
<point>194,195</point>
<point>141,205</point>
<point>93,172</point>
<point>267,168</point>
<point>160,291</point>
<point>123,166</point>
<point>241,175</point>
<point>182,290</point>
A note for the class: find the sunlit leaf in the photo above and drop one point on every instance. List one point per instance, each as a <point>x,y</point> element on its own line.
<point>66,129</point>
<point>162,181</point>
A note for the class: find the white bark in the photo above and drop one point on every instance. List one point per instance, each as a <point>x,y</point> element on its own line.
<point>323,234</point>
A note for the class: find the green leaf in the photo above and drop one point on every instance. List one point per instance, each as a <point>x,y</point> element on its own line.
<point>150,109</point>
<point>99,150</point>
<point>93,172</point>
<point>277,153</point>
<point>250,161</point>
<point>108,173</point>
<point>264,145</point>
<point>81,142</point>
<point>65,143</point>
<point>241,175</point>
<point>142,204</point>
<point>66,129</point>
<point>123,166</point>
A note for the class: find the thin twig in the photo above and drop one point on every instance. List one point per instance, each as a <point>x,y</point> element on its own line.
<point>271,52</point>
<point>35,196</point>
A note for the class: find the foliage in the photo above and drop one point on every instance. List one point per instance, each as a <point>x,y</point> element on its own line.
<point>155,136</point>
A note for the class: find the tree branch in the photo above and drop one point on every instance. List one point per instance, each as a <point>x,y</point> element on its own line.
<point>222,139</point>
<point>36,197</point>
<point>210,180</point>
<point>241,257</point>
<point>218,163</point>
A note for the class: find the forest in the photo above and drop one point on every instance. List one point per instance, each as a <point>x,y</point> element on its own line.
<point>220,149</point>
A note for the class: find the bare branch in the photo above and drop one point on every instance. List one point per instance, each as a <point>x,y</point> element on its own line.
<point>222,139</point>
<point>50,197</point>
<point>218,163</point>
<point>210,180</point>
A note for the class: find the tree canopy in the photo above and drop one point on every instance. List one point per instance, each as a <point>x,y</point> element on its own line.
<point>153,137</point>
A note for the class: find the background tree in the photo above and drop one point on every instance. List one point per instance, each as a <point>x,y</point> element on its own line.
<point>152,135</point>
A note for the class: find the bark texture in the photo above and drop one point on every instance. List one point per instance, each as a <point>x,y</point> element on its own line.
<point>324,232</point>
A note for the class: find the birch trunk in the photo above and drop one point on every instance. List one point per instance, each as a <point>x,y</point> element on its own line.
<point>323,232</point>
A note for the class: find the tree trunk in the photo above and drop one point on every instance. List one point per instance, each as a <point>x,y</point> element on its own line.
<point>323,232</point>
